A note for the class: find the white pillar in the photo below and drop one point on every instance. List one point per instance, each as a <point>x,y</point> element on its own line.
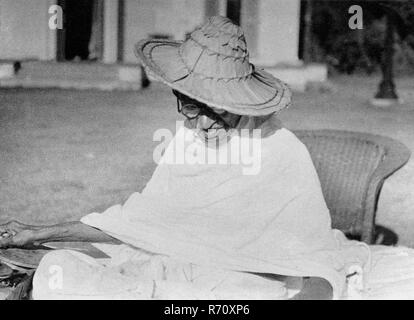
<point>51,43</point>
<point>278,24</point>
<point>222,8</point>
<point>110,50</point>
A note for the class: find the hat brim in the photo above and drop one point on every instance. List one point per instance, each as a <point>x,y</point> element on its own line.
<point>258,94</point>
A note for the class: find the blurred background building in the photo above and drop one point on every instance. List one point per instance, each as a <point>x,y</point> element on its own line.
<point>106,31</point>
<point>281,35</point>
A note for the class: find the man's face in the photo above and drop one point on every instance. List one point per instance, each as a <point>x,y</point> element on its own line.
<point>209,122</point>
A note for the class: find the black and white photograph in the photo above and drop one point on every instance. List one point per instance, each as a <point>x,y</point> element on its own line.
<point>220,151</point>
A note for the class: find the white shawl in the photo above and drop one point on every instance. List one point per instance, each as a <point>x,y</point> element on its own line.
<point>275,221</point>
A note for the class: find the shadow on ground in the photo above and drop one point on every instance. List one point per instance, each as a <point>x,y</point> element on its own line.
<point>383,236</point>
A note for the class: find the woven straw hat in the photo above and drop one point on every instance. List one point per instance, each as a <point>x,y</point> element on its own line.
<point>212,66</point>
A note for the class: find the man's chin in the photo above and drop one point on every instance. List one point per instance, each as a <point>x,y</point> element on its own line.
<point>212,135</point>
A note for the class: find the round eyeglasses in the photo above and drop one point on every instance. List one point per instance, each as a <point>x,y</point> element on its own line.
<point>192,111</point>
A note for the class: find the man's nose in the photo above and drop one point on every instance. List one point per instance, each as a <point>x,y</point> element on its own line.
<point>204,122</point>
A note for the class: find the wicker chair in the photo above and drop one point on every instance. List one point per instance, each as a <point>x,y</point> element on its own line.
<point>352,167</point>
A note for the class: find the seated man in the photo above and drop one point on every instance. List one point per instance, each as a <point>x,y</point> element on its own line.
<point>217,221</point>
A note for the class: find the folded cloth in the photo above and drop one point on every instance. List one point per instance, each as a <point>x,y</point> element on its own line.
<point>217,215</point>
<point>391,275</point>
<point>135,274</point>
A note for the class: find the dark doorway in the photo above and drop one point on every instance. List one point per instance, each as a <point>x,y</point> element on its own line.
<point>234,10</point>
<point>82,35</point>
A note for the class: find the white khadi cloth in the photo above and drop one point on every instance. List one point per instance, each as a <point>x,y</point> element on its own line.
<point>275,221</point>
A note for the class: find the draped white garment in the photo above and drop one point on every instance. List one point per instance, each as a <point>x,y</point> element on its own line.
<point>275,221</point>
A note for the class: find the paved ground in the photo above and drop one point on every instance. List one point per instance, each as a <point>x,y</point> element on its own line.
<point>66,153</point>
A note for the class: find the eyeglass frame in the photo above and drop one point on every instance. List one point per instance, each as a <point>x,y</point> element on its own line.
<point>202,110</point>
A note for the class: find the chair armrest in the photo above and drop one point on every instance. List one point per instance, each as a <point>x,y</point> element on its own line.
<point>396,156</point>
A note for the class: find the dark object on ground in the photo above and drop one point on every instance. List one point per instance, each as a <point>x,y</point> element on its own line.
<point>386,88</point>
<point>17,65</point>
<point>15,278</point>
<point>16,271</point>
<point>382,236</point>
<point>145,80</point>
<point>385,236</point>
<point>23,290</point>
<point>352,167</point>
